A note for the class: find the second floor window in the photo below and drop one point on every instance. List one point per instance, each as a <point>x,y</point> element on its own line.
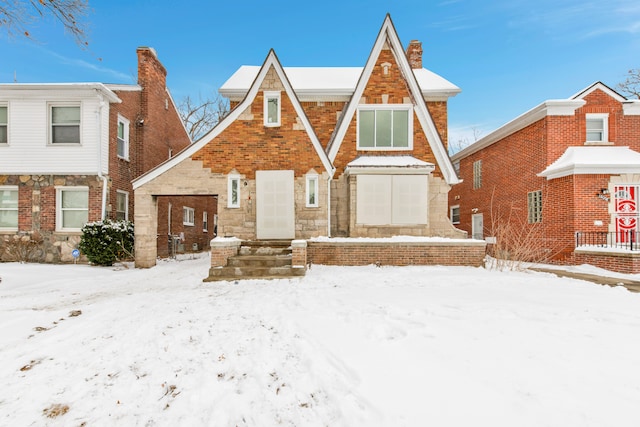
<point>65,124</point>
<point>385,128</point>
<point>597,129</point>
<point>4,135</point>
<point>123,138</point>
<point>272,109</point>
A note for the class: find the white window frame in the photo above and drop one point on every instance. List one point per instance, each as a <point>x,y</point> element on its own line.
<point>477,174</point>
<point>534,206</point>
<point>60,211</point>
<point>126,204</point>
<point>188,216</point>
<point>452,215</point>
<point>5,124</point>
<point>11,188</point>
<point>312,187</point>
<point>124,140</point>
<point>387,107</point>
<point>269,95</point>
<point>205,221</point>
<point>602,118</point>
<point>50,107</point>
<point>234,180</point>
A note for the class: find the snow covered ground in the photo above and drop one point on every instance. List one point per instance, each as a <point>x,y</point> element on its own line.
<point>343,346</point>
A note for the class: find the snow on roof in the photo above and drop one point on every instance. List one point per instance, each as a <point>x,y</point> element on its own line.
<point>329,81</point>
<point>388,161</point>
<point>594,160</point>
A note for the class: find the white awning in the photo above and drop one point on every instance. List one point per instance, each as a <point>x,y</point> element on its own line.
<point>590,160</point>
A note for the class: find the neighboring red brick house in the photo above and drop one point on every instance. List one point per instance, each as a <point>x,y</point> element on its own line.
<point>319,151</point>
<point>569,167</point>
<point>69,151</point>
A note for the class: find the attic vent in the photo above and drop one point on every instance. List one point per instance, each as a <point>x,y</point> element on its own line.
<point>385,68</point>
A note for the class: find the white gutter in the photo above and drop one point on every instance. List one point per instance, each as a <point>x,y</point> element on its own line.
<point>103,210</point>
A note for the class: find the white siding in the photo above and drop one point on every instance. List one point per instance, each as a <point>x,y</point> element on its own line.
<point>29,151</point>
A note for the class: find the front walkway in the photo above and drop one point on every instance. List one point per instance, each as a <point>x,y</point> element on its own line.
<point>632,285</point>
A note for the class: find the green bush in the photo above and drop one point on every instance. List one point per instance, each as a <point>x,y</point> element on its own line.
<point>104,242</point>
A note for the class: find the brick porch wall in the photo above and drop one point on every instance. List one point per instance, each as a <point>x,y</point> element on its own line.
<point>458,253</point>
<point>621,262</point>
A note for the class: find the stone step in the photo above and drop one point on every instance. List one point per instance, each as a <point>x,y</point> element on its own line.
<point>264,250</point>
<point>239,273</point>
<point>259,261</point>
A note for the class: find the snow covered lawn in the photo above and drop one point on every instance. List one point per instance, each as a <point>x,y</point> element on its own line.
<point>344,346</point>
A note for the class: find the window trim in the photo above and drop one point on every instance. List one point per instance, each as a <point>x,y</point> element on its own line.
<point>268,95</point>
<point>604,118</point>
<point>386,107</point>
<point>205,221</point>
<point>59,210</point>
<point>126,204</point>
<point>6,124</point>
<point>50,107</point>
<point>188,216</point>
<point>312,182</point>
<point>125,141</point>
<point>17,190</point>
<point>451,215</point>
<point>534,207</point>
<point>230,181</point>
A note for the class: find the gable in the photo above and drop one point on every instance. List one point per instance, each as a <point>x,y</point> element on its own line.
<point>387,78</point>
<point>242,141</point>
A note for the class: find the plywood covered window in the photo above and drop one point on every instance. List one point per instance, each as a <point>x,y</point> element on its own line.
<point>391,199</point>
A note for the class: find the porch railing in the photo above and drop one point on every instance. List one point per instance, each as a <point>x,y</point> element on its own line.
<point>609,239</point>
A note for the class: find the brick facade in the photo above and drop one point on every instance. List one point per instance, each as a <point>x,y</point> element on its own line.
<point>510,166</point>
<point>155,132</point>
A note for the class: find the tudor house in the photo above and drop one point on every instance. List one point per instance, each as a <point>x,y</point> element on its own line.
<point>69,151</point>
<point>319,151</point>
<point>570,168</point>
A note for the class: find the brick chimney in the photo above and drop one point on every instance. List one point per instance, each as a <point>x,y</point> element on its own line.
<point>149,67</point>
<point>414,54</point>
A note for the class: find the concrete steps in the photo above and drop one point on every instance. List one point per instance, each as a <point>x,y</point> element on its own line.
<point>258,259</point>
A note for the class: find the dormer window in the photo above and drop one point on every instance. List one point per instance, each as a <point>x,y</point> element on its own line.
<point>272,109</point>
<point>597,128</point>
<point>385,127</point>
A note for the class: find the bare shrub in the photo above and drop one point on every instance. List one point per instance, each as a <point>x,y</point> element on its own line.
<point>23,247</point>
<point>515,241</point>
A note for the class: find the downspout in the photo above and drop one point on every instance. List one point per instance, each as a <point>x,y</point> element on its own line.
<point>103,209</point>
<point>329,207</point>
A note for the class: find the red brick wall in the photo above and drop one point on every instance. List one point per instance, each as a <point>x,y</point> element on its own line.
<point>395,254</point>
<point>247,145</point>
<point>626,263</point>
<point>323,118</point>
<point>192,234</point>
<point>509,169</point>
<point>394,85</point>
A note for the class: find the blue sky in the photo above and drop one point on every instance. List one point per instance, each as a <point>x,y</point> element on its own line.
<point>507,56</point>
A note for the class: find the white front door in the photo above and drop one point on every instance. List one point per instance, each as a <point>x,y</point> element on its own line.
<point>477,226</point>
<point>275,205</point>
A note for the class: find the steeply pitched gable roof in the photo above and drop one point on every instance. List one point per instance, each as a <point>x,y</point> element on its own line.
<point>270,61</point>
<point>389,35</point>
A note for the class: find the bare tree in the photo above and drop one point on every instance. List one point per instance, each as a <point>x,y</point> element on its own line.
<point>17,15</point>
<point>631,86</point>
<point>463,142</point>
<point>200,116</point>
